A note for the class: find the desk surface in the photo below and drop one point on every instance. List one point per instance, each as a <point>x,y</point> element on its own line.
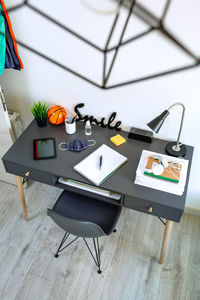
<point>122,181</point>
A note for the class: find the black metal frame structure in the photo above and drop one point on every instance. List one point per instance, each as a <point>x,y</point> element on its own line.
<point>154,23</point>
<point>97,260</point>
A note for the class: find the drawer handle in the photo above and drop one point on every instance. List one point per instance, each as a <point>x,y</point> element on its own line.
<point>150,209</point>
<point>27,173</point>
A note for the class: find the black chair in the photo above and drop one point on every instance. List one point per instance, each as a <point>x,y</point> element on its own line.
<point>84,217</point>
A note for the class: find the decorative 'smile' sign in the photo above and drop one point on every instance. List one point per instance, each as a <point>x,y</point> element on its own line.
<point>102,123</point>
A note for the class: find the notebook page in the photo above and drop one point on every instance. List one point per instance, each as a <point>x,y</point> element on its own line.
<point>89,167</point>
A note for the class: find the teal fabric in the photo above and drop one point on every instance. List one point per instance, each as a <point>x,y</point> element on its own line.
<point>2,43</point>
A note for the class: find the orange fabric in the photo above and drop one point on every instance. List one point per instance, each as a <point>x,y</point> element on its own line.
<point>11,32</point>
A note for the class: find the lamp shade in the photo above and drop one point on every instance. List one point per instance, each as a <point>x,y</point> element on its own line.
<point>156,123</point>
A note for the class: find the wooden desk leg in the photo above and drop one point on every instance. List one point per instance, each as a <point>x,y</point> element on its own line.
<point>22,197</point>
<point>166,236</point>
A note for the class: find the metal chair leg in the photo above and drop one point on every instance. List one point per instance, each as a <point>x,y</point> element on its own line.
<point>66,235</point>
<point>63,241</point>
<point>97,251</point>
<point>97,260</point>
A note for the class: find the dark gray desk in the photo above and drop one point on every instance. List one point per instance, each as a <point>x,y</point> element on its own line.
<point>19,161</point>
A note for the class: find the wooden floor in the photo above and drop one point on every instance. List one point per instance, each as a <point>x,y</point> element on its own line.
<point>29,271</point>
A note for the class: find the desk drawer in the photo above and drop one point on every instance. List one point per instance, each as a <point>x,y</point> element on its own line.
<point>151,208</point>
<point>23,171</point>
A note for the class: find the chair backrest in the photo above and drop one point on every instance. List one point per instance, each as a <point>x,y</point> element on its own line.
<point>76,227</point>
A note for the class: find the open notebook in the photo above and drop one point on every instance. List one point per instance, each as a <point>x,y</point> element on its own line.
<point>111,161</point>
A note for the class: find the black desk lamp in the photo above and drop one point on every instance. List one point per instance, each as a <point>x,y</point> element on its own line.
<point>172,148</point>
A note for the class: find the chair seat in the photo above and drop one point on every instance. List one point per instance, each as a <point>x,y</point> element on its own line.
<point>83,208</point>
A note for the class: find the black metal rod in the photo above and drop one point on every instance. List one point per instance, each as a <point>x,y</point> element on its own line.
<point>69,244</point>
<point>134,38</point>
<point>153,76</point>
<point>177,42</point>
<point>143,14</point>
<point>64,27</point>
<point>96,252</point>
<point>161,220</point>
<point>111,32</point>
<point>66,235</point>
<point>115,85</point>
<point>15,7</point>
<point>94,243</point>
<point>166,8</point>
<point>113,26</point>
<point>147,12</point>
<point>104,67</point>
<point>95,260</point>
<point>107,43</point>
<point>53,61</point>
<point>121,37</point>
<point>58,64</point>
<point>145,20</point>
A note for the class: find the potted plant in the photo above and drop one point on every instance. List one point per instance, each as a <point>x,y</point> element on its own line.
<point>39,110</point>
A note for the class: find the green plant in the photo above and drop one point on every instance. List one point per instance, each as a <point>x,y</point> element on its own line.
<point>39,110</point>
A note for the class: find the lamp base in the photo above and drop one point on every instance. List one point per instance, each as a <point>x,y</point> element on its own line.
<point>170,151</point>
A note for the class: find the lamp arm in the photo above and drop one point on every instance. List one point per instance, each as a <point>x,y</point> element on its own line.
<point>181,125</point>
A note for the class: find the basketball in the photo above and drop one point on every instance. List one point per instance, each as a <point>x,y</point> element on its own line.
<point>56,114</point>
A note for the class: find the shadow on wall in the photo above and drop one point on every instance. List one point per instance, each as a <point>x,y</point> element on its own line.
<point>16,95</point>
<point>15,102</point>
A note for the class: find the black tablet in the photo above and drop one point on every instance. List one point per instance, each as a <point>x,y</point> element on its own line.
<point>44,148</point>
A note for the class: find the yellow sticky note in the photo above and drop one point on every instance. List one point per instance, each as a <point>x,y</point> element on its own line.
<point>117,139</point>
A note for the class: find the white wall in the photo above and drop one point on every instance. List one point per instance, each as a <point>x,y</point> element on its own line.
<point>135,104</point>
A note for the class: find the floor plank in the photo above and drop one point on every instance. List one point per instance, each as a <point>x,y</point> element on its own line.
<point>48,267</point>
<point>90,283</point>
<point>122,271</point>
<point>130,268</point>
<point>14,266</point>
<point>146,282</point>
<point>31,233</point>
<point>34,287</point>
<point>193,281</point>
<point>133,226</point>
<point>192,294</point>
<point>175,267</point>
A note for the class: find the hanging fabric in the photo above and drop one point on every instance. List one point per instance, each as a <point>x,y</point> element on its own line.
<point>12,58</point>
<point>2,44</point>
